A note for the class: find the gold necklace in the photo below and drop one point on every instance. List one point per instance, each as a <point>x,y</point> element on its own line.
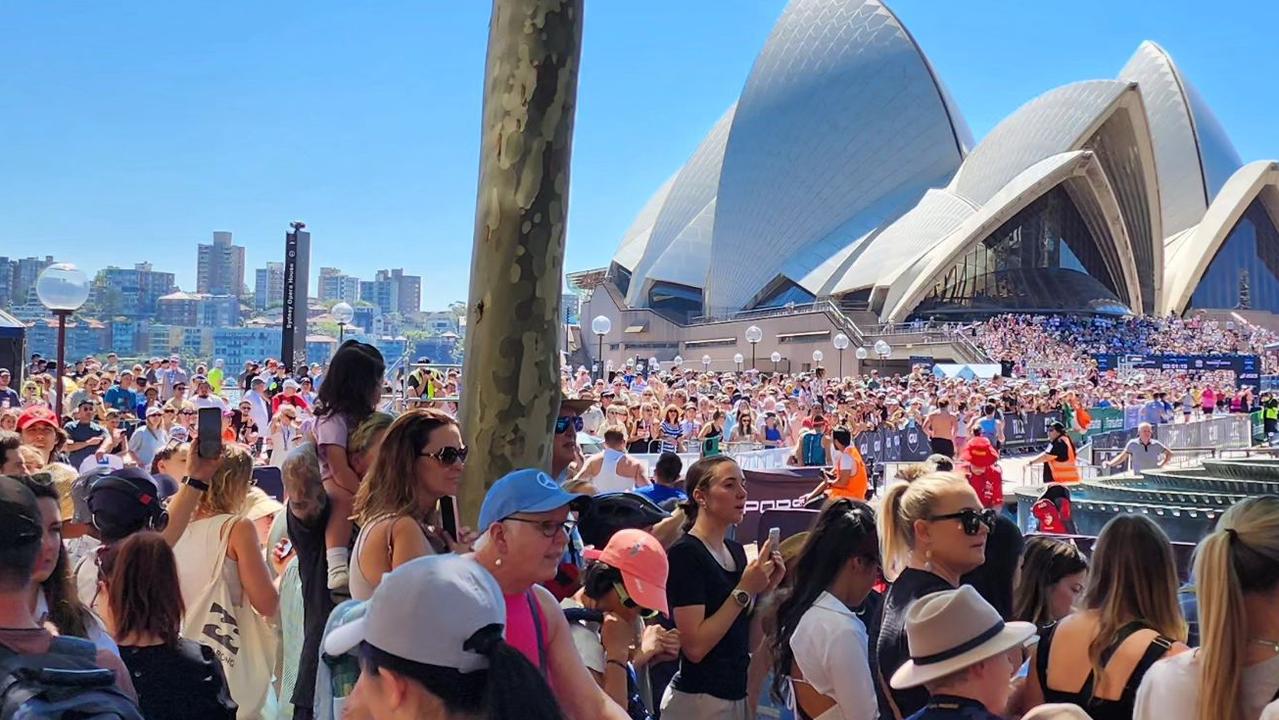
<point>1272,644</point>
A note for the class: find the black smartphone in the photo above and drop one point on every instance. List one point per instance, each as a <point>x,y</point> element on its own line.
<point>448,515</point>
<point>209,428</point>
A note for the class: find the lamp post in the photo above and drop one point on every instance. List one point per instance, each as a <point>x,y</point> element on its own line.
<point>753,336</point>
<point>776,357</point>
<point>679,360</point>
<point>706,363</point>
<point>62,288</point>
<point>861,354</point>
<point>601,326</point>
<point>841,344</point>
<point>653,365</point>
<point>738,359</point>
<point>883,350</point>
<point>817,359</point>
<point>343,313</point>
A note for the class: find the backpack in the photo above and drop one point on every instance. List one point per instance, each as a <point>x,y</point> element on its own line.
<point>65,683</point>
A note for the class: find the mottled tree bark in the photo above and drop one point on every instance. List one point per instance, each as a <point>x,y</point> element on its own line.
<point>511,372</point>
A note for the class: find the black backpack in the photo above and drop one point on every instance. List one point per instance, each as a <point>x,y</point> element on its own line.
<point>65,683</point>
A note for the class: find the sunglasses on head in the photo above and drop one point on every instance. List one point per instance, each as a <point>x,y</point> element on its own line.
<point>563,423</point>
<point>449,455</point>
<point>627,602</point>
<point>972,520</point>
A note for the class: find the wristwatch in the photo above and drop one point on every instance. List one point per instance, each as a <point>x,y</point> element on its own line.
<point>741,597</point>
<point>200,485</point>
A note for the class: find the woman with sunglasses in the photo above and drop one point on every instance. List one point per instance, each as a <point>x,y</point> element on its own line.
<point>623,587</point>
<point>420,461</point>
<point>821,646</point>
<point>931,532</point>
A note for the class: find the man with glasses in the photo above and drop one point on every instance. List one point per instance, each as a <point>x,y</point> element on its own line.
<point>564,448</point>
<point>86,437</point>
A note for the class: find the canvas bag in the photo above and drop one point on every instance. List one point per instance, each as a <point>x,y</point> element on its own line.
<point>241,638</point>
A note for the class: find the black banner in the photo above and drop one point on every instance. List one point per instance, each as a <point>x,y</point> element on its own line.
<point>289,328</point>
<point>890,445</point>
<point>1247,368</point>
<point>781,489</point>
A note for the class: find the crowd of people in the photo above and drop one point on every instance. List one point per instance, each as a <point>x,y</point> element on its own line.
<point>597,587</point>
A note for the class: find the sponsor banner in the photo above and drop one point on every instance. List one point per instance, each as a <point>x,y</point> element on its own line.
<point>774,490</point>
<point>1105,420</point>
<point>1247,368</point>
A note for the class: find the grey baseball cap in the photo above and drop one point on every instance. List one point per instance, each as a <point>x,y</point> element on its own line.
<point>428,611</point>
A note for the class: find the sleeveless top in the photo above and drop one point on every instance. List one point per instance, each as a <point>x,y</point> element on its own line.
<point>608,480</point>
<point>1098,708</point>
<point>195,556</point>
<point>526,629</point>
<point>772,434</point>
<point>361,587</point>
<point>814,453</point>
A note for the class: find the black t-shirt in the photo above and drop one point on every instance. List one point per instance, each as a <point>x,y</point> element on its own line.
<point>313,568</point>
<point>888,638</point>
<point>697,578</point>
<point>179,682</point>
<point>1060,452</point>
<point>994,579</point>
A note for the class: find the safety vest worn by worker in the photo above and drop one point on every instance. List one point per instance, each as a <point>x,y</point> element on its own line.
<point>1067,471</point>
<point>858,481</point>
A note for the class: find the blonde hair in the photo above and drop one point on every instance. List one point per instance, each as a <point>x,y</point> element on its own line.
<point>1133,577</point>
<point>64,476</point>
<point>362,436</point>
<point>904,503</point>
<point>1240,557</point>
<point>228,491</point>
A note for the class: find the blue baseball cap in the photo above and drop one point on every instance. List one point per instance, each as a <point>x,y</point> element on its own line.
<point>526,491</point>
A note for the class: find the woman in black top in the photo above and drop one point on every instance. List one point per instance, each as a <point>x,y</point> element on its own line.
<point>175,678</point>
<point>710,588</point>
<point>932,531</point>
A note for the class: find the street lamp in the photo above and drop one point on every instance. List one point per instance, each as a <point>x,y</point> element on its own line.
<point>679,360</point>
<point>776,357</point>
<point>62,288</point>
<point>343,313</point>
<point>883,349</point>
<point>861,354</point>
<point>653,365</point>
<point>817,359</point>
<point>738,359</point>
<point>706,363</point>
<point>841,344</point>
<point>753,336</point>
<point>601,326</point>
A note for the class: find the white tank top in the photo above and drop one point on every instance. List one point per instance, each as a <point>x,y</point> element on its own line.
<point>196,555</point>
<point>608,481</point>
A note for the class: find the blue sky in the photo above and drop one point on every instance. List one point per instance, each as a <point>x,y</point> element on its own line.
<point>131,131</point>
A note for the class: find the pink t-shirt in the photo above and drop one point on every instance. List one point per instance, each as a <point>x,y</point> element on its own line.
<point>522,633</point>
<point>329,430</point>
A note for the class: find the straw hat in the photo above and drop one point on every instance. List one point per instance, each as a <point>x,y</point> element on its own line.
<point>949,630</point>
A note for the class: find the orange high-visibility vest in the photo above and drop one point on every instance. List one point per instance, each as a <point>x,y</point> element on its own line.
<point>1067,471</point>
<point>857,480</point>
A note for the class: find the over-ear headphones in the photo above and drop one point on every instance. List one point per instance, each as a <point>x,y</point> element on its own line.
<point>140,489</point>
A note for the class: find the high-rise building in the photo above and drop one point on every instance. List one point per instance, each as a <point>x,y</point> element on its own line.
<point>336,286</point>
<point>198,310</point>
<point>7,268</point>
<point>220,266</point>
<point>268,286</point>
<point>130,292</point>
<point>393,292</point>
<point>25,272</point>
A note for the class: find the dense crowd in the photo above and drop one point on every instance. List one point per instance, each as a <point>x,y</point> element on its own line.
<point>162,571</point>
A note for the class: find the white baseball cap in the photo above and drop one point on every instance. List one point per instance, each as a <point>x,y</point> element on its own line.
<point>431,611</point>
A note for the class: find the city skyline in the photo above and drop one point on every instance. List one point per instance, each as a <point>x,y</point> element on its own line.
<point>369,132</point>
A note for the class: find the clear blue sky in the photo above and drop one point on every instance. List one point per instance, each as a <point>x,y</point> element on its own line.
<point>131,131</point>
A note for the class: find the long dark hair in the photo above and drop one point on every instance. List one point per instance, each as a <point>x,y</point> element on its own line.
<point>142,588</point>
<point>66,612</point>
<point>845,529</point>
<point>355,374</point>
<point>509,689</point>
<point>1044,562</point>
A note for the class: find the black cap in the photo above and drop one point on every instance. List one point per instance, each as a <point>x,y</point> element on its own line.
<point>610,512</point>
<point>122,502</point>
<point>1058,426</point>
<point>19,514</point>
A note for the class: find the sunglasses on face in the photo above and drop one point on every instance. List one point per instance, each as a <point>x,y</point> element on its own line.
<point>548,528</point>
<point>188,412</point>
<point>972,520</point>
<point>628,602</point>
<point>562,424</point>
<point>448,456</point>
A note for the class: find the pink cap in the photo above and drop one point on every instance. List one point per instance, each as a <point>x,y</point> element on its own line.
<point>642,562</point>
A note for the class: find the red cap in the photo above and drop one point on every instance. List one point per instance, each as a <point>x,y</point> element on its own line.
<point>37,414</point>
<point>979,452</point>
<point>642,562</point>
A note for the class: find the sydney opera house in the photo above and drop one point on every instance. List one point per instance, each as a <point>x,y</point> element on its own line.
<point>845,173</point>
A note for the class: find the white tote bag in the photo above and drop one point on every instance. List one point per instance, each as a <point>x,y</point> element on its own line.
<point>241,638</point>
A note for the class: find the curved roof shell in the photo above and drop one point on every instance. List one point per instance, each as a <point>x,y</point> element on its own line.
<point>841,110</point>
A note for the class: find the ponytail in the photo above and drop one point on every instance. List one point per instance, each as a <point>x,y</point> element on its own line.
<point>1239,558</point>
<point>904,503</point>
<point>698,477</point>
<point>515,689</point>
<point>1223,625</point>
